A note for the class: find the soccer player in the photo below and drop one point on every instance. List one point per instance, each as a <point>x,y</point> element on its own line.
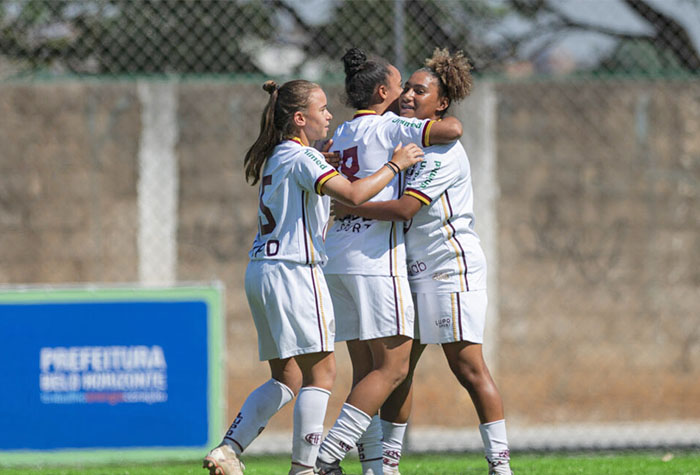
<point>366,271</point>
<point>446,265</point>
<point>286,290</point>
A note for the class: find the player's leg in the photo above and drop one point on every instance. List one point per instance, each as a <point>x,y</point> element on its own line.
<point>318,370</point>
<point>467,363</point>
<point>260,405</point>
<point>390,366</point>
<point>395,413</point>
<point>263,403</point>
<point>369,446</point>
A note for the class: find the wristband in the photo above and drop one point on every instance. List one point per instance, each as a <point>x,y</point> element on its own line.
<point>390,168</point>
<point>394,167</point>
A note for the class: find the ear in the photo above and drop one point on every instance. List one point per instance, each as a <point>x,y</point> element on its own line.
<point>443,104</point>
<point>299,119</point>
<point>382,91</point>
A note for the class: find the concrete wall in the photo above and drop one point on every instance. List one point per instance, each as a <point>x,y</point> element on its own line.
<point>587,200</point>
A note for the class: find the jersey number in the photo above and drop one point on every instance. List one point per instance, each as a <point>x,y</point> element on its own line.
<point>350,155</point>
<point>271,223</point>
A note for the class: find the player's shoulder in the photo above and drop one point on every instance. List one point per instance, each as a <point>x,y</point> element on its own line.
<point>398,121</point>
<point>311,155</point>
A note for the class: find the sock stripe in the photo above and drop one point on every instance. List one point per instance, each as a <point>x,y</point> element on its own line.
<point>235,442</point>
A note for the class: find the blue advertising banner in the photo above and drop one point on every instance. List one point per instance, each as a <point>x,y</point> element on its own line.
<point>110,369</point>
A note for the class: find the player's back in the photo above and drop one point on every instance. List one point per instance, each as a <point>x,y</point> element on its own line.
<point>364,246</point>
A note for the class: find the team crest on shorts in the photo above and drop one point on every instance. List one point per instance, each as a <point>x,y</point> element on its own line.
<point>313,438</point>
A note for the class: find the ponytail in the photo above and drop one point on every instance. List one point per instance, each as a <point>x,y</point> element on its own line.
<point>276,122</point>
<point>268,138</point>
<point>362,77</point>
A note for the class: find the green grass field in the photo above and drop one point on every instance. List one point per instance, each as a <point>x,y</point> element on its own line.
<point>633,463</point>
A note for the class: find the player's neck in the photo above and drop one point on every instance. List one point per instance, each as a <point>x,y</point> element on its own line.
<point>301,135</point>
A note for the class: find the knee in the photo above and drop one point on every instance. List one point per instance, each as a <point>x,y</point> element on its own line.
<point>293,382</point>
<point>322,377</point>
<point>470,376</point>
<point>396,375</point>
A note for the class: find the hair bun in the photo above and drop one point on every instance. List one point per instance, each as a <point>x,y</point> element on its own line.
<point>270,86</point>
<point>353,60</point>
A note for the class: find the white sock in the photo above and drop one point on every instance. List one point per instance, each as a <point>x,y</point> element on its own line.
<point>369,448</point>
<point>344,434</point>
<point>493,434</point>
<point>392,443</point>
<point>257,409</point>
<point>309,412</point>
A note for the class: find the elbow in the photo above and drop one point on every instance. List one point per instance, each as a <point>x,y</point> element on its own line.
<point>404,215</point>
<point>456,130</point>
<point>355,200</point>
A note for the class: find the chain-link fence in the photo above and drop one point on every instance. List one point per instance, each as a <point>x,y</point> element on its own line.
<point>275,37</point>
<point>123,124</point>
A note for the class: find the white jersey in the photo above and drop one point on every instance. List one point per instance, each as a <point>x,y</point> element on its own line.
<point>365,246</point>
<point>443,250</point>
<point>292,213</point>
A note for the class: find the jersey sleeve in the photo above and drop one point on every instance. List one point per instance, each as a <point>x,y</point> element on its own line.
<point>428,179</point>
<point>312,171</point>
<point>407,130</point>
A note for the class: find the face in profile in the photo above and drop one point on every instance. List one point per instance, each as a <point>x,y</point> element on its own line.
<point>394,87</point>
<point>421,97</point>
<point>317,116</point>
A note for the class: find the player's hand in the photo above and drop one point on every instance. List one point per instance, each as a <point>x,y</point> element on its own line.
<point>339,210</point>
<point>405,157</point>
<point>323,146</point>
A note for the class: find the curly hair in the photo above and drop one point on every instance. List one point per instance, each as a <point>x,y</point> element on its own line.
<point>453,73</point>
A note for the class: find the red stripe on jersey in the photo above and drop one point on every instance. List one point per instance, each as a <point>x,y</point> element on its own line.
<point>426,134</point>
<point>454,236</point>
<point>363,112</point>
<point>459,316</point>
<point>303,223</point>
<point>297,140</point>
<point>419,195</point>
<point>396,307</point>
<point>318,311</point>
<point>320,181</point>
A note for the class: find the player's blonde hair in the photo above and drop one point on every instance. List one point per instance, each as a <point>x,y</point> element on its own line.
<point>276,123</point>
<point>453,73</point>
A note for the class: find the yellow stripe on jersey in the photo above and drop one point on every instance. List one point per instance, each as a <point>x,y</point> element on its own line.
<point>395,251</point>
<point>419,196</point>
<point>362,112</point>
<point>307,227</point>
<point>450,235</point>
<point>297,140</point>
<point>324,324</point>
<point>323,179</point>
<point>426,134</point>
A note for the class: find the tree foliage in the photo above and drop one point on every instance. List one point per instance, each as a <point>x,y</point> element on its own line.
<point>228,37</point>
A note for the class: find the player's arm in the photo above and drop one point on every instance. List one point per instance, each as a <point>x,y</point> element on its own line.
<point>402,209</point>
<point>443,131</point>
<point>357,192</point>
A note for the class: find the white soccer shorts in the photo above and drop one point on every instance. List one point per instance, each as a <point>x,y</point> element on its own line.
<point>371,306</point>
<point>291,307</point>
<point>449,317</point>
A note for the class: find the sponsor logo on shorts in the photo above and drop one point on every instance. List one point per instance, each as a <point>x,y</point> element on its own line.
<point>313,438</point>
<point>416,268</point>
<point>441,276</point>
<point>445,322</point>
